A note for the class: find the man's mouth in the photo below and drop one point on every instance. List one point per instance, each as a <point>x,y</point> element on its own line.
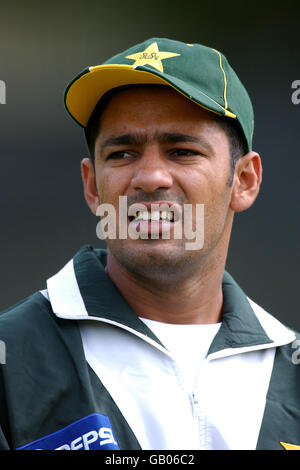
<point>153,218</point>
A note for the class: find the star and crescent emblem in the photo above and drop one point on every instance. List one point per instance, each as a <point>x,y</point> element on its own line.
<point>151,56</point>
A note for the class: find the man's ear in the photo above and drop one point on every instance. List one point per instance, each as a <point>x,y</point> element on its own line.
<point>246,182</point>
<point>89,184</point>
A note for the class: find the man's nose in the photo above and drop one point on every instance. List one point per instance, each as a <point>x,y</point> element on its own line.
<point>151,172</point>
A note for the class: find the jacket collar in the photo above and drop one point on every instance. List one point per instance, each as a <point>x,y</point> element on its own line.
<point>82,290</point>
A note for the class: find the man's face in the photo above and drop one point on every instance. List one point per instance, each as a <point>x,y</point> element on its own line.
<point>154,146</point>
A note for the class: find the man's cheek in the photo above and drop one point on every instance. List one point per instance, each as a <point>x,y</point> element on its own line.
<point>105,193</point>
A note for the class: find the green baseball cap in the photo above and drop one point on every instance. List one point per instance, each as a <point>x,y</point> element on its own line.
<point>200,73</point>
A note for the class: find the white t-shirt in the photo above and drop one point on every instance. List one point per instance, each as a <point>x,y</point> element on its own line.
<point>189,344</point>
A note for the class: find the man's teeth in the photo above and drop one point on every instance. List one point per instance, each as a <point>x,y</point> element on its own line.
<point>154,215</point>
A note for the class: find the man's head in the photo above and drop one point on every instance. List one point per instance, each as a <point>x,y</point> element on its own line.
<point>171,135</point>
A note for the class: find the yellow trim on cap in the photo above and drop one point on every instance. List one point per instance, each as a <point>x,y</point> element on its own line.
<point>85,92</point>
<point>225,80</point>
<point>230,114</point>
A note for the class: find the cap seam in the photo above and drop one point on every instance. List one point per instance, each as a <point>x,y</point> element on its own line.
<point>224,78</point>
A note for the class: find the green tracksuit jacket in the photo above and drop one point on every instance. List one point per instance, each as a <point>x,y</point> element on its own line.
<point>53,397</point>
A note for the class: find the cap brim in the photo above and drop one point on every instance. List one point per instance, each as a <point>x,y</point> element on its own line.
<point>84,92</point>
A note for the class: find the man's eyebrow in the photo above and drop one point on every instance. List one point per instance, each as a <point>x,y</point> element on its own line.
<point>124,139</point>
<point>142,139</point>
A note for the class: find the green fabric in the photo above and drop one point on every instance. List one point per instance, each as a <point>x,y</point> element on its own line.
<point>240,326</point>
<point>46,381</point>
<point>281,421</point>
<point>197,73</point>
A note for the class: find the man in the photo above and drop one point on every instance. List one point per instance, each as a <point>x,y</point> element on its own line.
<point>151,344</point>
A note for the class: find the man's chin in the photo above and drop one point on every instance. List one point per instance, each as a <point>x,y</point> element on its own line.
<point>153,259</point>
<point>159,248</point>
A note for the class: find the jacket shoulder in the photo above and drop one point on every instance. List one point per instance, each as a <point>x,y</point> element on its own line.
<point>27,305</point>
<point>30,330</point>
<point>25,317</point>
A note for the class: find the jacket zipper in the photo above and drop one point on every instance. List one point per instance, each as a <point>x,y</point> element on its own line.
<point>200,421</point>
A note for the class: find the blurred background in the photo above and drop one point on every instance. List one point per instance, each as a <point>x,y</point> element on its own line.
<point>44,218</point>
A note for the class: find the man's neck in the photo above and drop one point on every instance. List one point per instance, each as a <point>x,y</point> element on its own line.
<point>196,300</point>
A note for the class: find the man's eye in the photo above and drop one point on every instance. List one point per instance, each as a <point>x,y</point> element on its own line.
<point>120,155</point>
<point>183,153</point>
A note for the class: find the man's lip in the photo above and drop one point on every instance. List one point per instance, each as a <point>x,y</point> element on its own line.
<point>156,203</point>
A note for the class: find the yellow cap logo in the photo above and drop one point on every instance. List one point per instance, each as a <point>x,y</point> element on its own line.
<point>151,56</point>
